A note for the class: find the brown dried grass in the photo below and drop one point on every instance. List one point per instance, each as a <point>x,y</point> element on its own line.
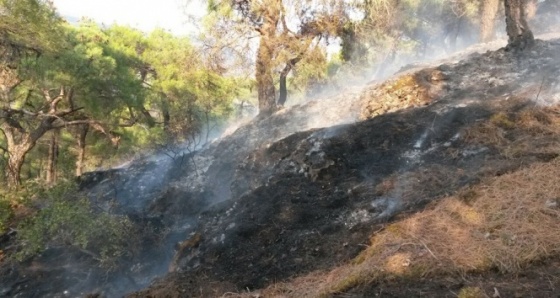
<point>504,224</point>
<point>486,134</point>
<point>529,131</point>
<point>408,90</point>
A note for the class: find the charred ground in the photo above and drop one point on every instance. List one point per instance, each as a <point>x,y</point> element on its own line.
<point>310,201</point>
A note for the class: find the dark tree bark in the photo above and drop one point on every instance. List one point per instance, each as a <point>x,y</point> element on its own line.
<point>266,91</point>
<point>266,24</point>
<point>519,35</point>
<point>452,33</point>
<point>52,158</point>
<point>283,92</point>
<point>15,162</point>
<point>81,142</point>
<point>283,96</point>
<point>165,114</point>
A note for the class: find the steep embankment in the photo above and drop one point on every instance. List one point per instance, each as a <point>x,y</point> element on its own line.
<point>475,140</point>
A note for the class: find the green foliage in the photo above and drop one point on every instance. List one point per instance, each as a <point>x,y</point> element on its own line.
<point>145,89</point>
<point>334,65</point>
<point>191,93</point>
<point>69,220</point>
<point>22,196</point>
<point>6,214</point>
<point>32,24</point>
<point>312,70</point>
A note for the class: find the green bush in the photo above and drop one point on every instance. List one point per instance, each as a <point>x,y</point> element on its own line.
<point>5,214</point>
<point>69,220</point>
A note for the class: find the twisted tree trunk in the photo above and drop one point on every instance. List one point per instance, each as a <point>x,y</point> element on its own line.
<point>16,158</point>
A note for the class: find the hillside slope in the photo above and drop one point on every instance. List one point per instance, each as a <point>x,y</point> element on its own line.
<point>470,144</point>
<point>442,171</point>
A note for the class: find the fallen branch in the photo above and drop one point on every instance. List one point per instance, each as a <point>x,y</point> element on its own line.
<point>540,89</point>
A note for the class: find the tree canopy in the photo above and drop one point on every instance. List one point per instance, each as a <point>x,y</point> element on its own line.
<point>112,81</point>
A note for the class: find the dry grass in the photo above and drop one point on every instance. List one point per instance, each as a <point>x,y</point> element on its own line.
<point>505,224</point>
<point>530,131</point>
<point>471,292</point>
<point>408,90</point>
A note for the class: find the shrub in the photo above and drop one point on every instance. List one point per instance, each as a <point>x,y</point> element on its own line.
<point>69,220</point>
<point>5,214</point>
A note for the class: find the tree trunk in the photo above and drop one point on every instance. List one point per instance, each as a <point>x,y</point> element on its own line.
<point>19,143</point>
<point>283,75</point>
<point>453,34</point>
<point>488,13</point>
<point>15,162</point>
<point>165,114</point>
<point>52,157</point>
<point>81,142</point>
<point>265,82</point>
<point>265,56</point>
<point>283,96</point>
<point>520,36</point>
<point>17,146</point>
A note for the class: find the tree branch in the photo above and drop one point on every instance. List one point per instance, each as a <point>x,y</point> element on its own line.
<point>96,125</point>
<point>8,112</point>
<point>283,20</point>
<point>74,122</point>
<point>67,112</point>
<point>54,101</point>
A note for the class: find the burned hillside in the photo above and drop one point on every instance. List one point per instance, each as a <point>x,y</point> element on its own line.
<point>310,201</point>
<point>295,195</point>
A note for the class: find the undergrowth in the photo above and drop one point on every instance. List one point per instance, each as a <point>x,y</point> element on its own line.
<point>5,214</point>
<point>61,217</point>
